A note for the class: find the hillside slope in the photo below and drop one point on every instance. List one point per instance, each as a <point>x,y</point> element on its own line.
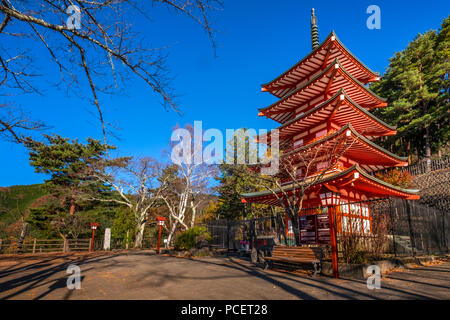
<point>14,202</point>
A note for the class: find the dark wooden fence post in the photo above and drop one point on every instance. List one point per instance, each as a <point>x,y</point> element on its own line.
<point>228,236</point>
<point>444,235</point>
<point>411,234</point>
<point>392,227</point>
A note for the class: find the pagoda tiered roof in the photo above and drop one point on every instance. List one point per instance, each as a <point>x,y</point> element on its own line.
<point>328,82</point>
<point>331,48</point>
<point>357,147</point>
<point>323,108</point>
<point>354,177</point>
<point>340,109</point>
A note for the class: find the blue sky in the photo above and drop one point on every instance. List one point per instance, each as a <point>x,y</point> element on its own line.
<point>257,40</point>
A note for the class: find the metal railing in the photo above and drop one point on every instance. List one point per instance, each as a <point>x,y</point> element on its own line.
<point>397,227</point>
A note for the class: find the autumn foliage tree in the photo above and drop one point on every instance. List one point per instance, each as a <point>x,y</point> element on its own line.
<point>397,178</point>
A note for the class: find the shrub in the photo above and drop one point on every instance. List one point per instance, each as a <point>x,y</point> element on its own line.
<point>351,251</point>
<point>381,225</point>
<point>397,178</point>
<point>191,238</point>
<point>352,247</point>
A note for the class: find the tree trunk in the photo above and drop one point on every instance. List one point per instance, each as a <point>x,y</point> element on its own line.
<point>194,212</point>
<point>292,214</point>
<point>64,237</point>
<point>72,205</point>
<point>409,152</point>
<point>281,227</point>
<point>171,233</point>
<point>22,235</point>
<point>139,235</point>
<point>427,143</point>
<point>427,147</point>
<point>296,230</point>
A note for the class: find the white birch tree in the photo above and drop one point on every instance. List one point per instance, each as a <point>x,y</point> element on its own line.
<point>185,183</point>
<point>136,184</point>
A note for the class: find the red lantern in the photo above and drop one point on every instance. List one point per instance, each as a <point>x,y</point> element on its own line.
<point>160,221</point>
<point>94,226</point>
<point>329,196</point>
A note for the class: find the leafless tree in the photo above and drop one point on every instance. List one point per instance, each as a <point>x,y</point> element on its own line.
<point>101,53</point>
<point>136,184</point>
<point>15,123</point>
<point>186,185</point>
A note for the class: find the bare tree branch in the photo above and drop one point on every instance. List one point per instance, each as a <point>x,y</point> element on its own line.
<point>106,50</point>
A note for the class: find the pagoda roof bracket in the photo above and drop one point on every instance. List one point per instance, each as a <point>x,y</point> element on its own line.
<point>327,55</point>
<point>332,76</point>
<point>336,107</point>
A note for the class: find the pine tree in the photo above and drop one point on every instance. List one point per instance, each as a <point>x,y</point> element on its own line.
<point>441,82</point>
<point>234,179</point>
<point>416,86</point>
<point>65,161</point>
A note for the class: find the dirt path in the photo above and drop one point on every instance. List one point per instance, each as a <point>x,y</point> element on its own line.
<point>144,275</point>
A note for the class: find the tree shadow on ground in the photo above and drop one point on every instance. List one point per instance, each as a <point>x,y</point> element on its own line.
<point>318,282</point>
<point>37,279</point>
<point>44,274</point>
<point>275,279</point>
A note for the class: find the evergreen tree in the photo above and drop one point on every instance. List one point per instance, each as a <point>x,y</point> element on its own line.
<point>416,86</point>
<point>234,179</point>
<point>65,161</point>
<point>442,83</point>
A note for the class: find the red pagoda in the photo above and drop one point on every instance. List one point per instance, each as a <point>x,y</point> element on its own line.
<point>322,97</point>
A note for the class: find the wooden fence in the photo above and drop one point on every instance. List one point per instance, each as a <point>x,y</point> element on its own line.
<point>69,245</point>
<point>44,245</point>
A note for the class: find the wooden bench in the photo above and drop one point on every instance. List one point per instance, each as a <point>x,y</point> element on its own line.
<point>293,256</point>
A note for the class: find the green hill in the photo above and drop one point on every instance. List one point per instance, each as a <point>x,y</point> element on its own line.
<point>14,201</point>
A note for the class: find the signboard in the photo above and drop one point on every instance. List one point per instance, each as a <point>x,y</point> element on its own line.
<point>107,241</point>
<point>161,223</point>
<point>314,229</point>
<point>323,229</point>
<point>307,229</point>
